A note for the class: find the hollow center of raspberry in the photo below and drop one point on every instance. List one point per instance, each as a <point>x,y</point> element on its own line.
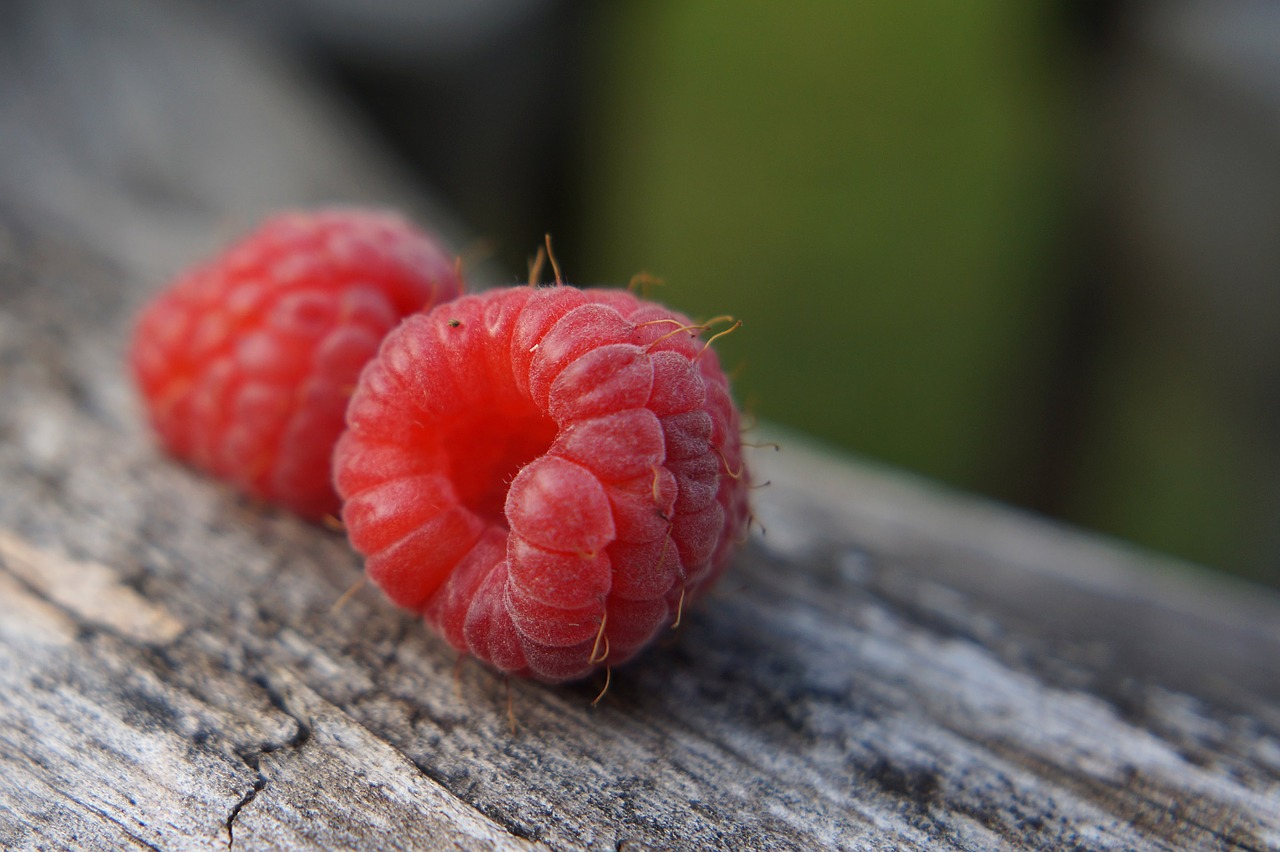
<point>486,452</point>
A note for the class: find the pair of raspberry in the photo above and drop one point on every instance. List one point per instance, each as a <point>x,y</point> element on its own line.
<point>547,474</point>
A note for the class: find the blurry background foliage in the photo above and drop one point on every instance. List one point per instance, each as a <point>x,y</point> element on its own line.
<point>873,188</point>
<point>1028,249</point>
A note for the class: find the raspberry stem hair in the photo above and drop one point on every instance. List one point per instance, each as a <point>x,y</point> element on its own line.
<point>608,679</point>
<point>713,338</point>
<point>597,655</point>
<point>641,283</point>
<point>551,256</point>
<point>535,267</point>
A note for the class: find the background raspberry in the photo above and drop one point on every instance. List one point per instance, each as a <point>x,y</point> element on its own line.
<point>246,362</point>
<point>548,475</point>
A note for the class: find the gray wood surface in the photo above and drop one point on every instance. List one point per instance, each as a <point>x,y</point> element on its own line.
<point>888,666</point>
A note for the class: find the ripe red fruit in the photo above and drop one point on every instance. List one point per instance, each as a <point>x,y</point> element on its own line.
<point>246,362</point>
<point>547,475</point>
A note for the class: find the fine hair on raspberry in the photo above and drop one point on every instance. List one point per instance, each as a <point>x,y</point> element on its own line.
<point>245,363</point>
<point>549,475</point>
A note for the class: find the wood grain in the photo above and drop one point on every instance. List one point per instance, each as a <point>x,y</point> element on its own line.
<point>888,666</point>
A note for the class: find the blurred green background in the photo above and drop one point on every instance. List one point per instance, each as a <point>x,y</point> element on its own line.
<point>1018,247</point>
<point>875,189</point>
<point>896,200</point>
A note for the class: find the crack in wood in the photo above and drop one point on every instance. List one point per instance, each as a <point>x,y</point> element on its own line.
<point>252,756</point>
<point>258,786</point>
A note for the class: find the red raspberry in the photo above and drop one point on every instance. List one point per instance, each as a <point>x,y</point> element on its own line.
<point>246,362</point>
<point>547,475</point>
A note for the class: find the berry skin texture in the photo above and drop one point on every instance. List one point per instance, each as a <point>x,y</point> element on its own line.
<point>548,475</point>
<point>246,362</point>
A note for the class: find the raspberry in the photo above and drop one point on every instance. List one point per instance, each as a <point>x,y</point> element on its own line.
<point>547,475</point>
<point>246,362</point>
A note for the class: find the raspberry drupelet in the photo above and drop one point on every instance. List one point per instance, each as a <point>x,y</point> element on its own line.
<point>246,362</point>
<point>548,475</point>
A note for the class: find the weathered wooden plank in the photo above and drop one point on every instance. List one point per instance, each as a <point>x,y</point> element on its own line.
<point>889,666</point>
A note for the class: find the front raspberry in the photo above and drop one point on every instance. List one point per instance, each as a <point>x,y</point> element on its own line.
<point>246,362</point>
<point>547,475</point>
